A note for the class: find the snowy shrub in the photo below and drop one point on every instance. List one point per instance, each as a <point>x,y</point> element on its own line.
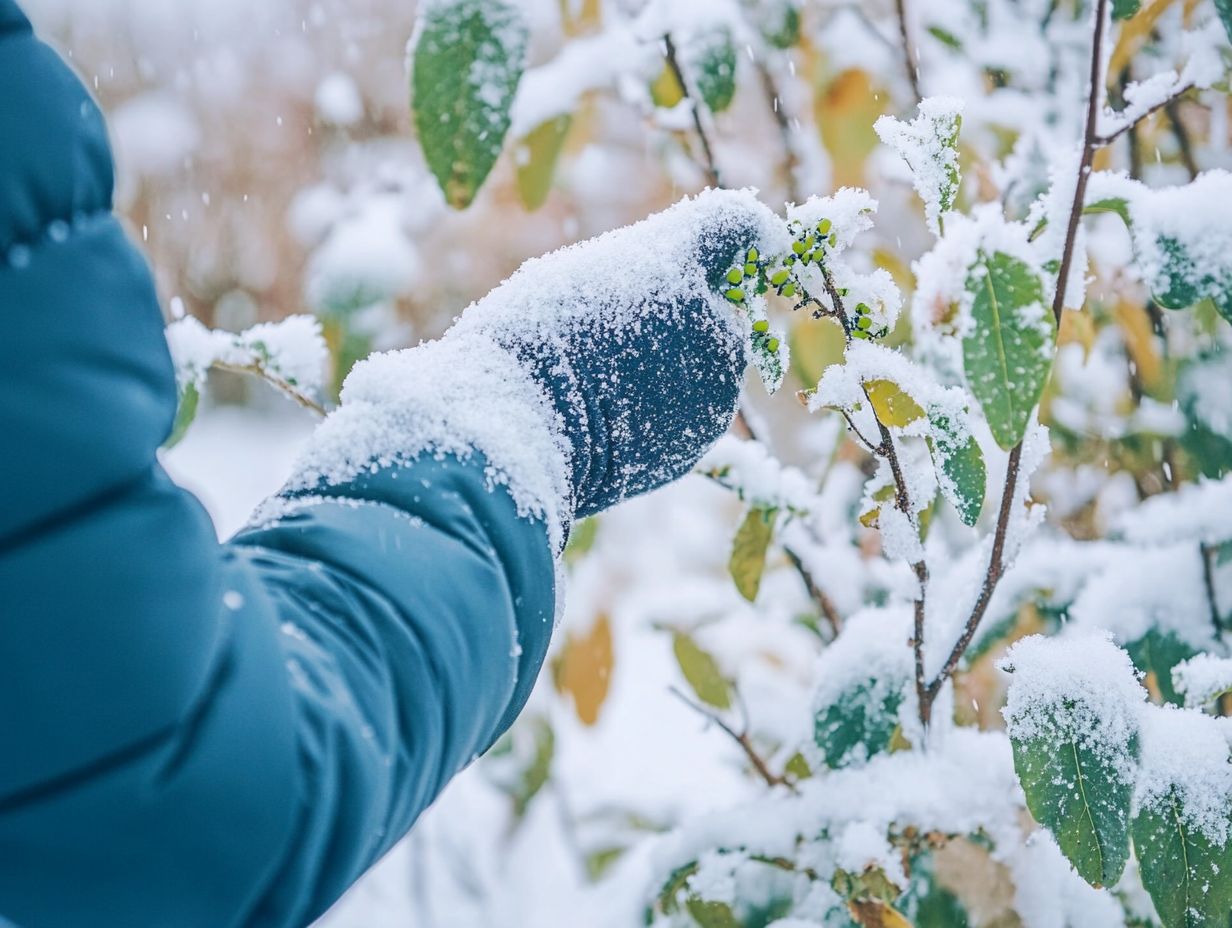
<point>970,644</point>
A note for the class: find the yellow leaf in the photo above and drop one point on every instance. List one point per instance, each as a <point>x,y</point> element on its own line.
<point>748,556</point>
<point>894,407</point>
<point>846,109</point>
<point>579,16</point>
<point>815,345</point>
<point>873,913</point>
<point>1140,342</point>
<point>1077,327</point>
<point>1135,33</point>
<point>537,155</point>
<point>665,90</point>
<point>584,670</point>
<point>702,671</point>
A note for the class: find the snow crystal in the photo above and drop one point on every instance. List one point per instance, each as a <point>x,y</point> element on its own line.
<point>1202,678</point>
<point>1187,751</point>
<point>1079,686</point>
<point>928,145</point>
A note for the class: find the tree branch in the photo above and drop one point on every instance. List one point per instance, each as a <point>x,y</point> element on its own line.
<point>913,72</point>
<point>790,160</point>
<point>1099,141</point>
<point>673,62</point>
<point>996,562</point>
<point>828,610</point>
<point>741,738</point>
<point>260,370</point>
<point>1207,553</point>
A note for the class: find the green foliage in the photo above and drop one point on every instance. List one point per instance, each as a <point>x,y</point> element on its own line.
<point>467,61</point>
<point>1225,15</point>
<point>185,413</point>
<point>748,554</point>
<point>1156,653</point>
<point>960,463</point>
<point>1188,876</point>
<point>540,151</point>
<point>859,724</point>
<point>711,57</point>
<point>1075,789</point>
<point>701,671</point>
<point>780,23</point>
<point>1124,9</point>
<point>536,774</point>
<point>1008,353</point>
<point>581,539</point>
<point>711,914</point>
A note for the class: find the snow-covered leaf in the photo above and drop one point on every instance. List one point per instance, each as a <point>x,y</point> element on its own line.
<point>859,724</point>
<point>708,914</point>
<point>894,406</point>
<point>1156,654</point>
<point>960,466</point>
<point>710,60</point>
<point>467,60</point>
<point>701,671</point>
<point>1007,354</point>
<point>1188,875</point>
<point>537,155</point>
<point>929,145</point>
<point>748,555</point>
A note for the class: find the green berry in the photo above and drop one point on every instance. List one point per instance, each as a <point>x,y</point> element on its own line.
<point>806,257</point>
<point>833,238</point>
<point>862,309</point>
<point>735,294</point>
<point>773,344</point>
<point>843,292</point>
<point>750,269</point>
<point>789,260</point>
<point>734,276</point>
<point>810,241</point>
<point>859,333</point>
<point>864,322</point>
<point>789,290</point>
<point>780,278</point>
<point>752,255</point>
<point>761,325</point>
<point>798,247</point>
<point>823,227</point>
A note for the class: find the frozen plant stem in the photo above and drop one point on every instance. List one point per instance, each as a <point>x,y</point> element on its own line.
<point>1208,553</point>
<point>741,738</point>
<point>913,72</point>
<point>1091,142</point>
<point>259,370</point>
<point>695,104</point>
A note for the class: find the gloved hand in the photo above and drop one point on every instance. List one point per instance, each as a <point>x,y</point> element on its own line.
<point>593,374</point>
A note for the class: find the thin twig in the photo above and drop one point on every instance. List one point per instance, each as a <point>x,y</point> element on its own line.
<point>260,370</point>
<point>741,738</point>
<point>996,562</point>
<point>828,610</point>
<point>1208,553</point>
<point>790,160</point>
<point>695,104</point>
<point>1172,110</point>
<point>1099,141</point>
<point>872,449</point>
<point>913,72</point>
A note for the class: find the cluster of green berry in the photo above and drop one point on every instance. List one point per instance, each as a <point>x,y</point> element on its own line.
<point>751,277</point>
<point>862,326</point>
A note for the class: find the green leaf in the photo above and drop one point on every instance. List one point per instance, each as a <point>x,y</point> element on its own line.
<point>859,724</point>
<point>711,914</point>
<point>185,413</point>
<point>537,157</point>
<point>1156,653</point>
<point>702,672</point>
<point>748,555</point>
<point>1076,790</point>
<point>1225,15</point>
<point>1125,9</point>
<point>712,65</point>
<point>1008,353</point>
<point>537,772</point>
<point>1188,876</point>
<point>780,24</point>
<point>960,465</point>
<point>600,861</point>
<point>467,61</point>
<point>581,540</point>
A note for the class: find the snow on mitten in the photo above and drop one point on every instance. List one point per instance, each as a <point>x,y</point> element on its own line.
<point>593,374</point>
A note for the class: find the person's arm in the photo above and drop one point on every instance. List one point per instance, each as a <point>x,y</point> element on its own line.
<point>203,734</point>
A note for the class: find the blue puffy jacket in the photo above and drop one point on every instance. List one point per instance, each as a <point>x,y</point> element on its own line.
<point>194,734</point>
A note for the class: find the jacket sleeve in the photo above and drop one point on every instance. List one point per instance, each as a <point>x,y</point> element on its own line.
<point>194,733</point>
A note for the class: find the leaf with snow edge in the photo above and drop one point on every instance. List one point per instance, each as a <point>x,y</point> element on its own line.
<point>962,476</point>
<point>1072,718</point>
<point>581,539</point>
<point>1188,876</point>
<point>1202,679</point>
<point>710,60</point>
<point>1156,653</point>
<point>780,23</point>
<point>859,724</point>
<point>748,554</point>
<point>537,155</point>
<point>185,413</point>
<point>929,145</point>
<point>770,357</point>
<point>893,406</point>
<point>701,671</point>
<point>467,60</point>
<point>1007,355</point>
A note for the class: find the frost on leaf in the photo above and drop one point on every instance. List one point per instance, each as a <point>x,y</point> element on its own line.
<point>929,145</point>
<point>467,60</point>
<point>1007,351</point>
<point>1072,717</point>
